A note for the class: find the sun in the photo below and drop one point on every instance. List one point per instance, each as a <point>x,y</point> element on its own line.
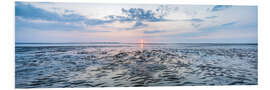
<point>141,41</point>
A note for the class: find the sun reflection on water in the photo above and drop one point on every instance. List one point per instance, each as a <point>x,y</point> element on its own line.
<point>141,44</point>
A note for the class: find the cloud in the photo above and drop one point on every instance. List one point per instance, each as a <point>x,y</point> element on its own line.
<point>140,15</point>
<point>137,15</point>
<point>222,34</point>
<point>28,11</point>
<point>23,24</point>
<point>196,25</point>
<point>151,32</point>
<point>195,20</point>
<point>228,24</point>
<point>220,7</point>
<point>105,22</point>
<point>211,17</point>
<point>97,21</point>
<point>39,24</point>
<point>139,24</point>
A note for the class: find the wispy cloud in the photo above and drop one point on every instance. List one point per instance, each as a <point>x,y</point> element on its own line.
<point>131,21</point>
<point>220,7</point>
<point>39,24</point>
<point>153,31</point>
<point>225,34</point>
<point>196,25</point>
<point>30,17</point>
<point>228,24</point>
<point>211,17</point>
<point>28,11</point>
<point>137,15</point>
<point>195,20</point>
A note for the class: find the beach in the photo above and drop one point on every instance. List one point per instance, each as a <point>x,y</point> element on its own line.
<point>135,65</point>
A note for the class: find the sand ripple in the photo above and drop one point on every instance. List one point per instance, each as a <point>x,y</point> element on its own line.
<point>54,67</point>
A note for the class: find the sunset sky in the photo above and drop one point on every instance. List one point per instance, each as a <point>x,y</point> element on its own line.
<point>130,23</point>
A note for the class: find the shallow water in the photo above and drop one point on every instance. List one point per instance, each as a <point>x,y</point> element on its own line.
<point>127,65</point>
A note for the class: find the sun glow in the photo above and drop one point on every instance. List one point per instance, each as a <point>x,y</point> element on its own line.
<point>141,41</point>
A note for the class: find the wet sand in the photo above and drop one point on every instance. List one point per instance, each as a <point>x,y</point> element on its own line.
<point>128,66</point>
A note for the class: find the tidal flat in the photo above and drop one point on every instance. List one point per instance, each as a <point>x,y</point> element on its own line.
<point>135,65</point>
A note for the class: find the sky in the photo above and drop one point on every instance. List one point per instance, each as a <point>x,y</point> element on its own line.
<point>131,23</point>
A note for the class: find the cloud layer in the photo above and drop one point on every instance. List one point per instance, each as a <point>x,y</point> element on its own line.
<point>129,23</point>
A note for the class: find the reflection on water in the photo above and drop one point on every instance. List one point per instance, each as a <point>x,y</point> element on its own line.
<point>129,65</point>
<point>141,45</point>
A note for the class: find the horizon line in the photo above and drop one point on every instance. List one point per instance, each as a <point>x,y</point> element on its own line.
<point>134,43</point>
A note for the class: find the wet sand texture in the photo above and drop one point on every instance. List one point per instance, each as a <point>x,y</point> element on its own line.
<point>59,67</point>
